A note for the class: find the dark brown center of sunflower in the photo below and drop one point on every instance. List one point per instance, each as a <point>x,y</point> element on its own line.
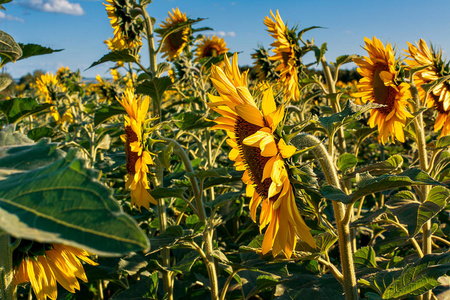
<point>211,51</point>
<point>176,39</point>
<point>383,94</point>
<point>253,159</point>
<point>132,157</point>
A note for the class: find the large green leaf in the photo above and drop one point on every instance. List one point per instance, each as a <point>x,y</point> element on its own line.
<point>350,113</point>
<point>420,277</point>
<point>65,203</point>
<point>29,156</point>
<point>368,184</point>
<point>436,201</point>
<point>9,49</point>
<point>125,55</point>
<point>9,137</point>
<point>18,108</point>
<point>29,50</point>
<point>154,88</point>
<point>107,111</point>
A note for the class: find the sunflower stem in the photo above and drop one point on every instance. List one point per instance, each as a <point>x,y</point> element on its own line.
<point>301,141</point>
<point>423,162</point>
<point>165,252</point>
<point>8,290</point>
<point>150,40</point>
<point>208,233</point>
<point>331,84</point>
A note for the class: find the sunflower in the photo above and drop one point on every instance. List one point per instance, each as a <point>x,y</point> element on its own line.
<point>175,43</point>
<point>138,158</point>
<point>211,47</point>
<point>379,85</point>
<point>264,66</point>
<point>285,54</point>
<point>261,154</point>
<point>439,97</point>
<point>48,87</point>
<point>59,263</point>
<point>126,27</point>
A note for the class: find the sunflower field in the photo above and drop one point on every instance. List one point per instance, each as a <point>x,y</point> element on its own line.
<point>194,178</point>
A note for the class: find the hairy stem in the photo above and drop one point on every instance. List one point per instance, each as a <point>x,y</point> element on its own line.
<point>423,161</point>
<point>302,141</point>
<point>8,290</point>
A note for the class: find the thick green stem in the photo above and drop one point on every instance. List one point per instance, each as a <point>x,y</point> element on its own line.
<point>150,40</point>
<point>302,141</point>
<point>423,161</point>
<point>6,268</point>
<point>331,84</point>
<point>165,252</point>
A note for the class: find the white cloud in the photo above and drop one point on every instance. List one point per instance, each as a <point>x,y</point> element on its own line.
<point>55,6</point>
<point>4,16</point>
<point>223,34</point>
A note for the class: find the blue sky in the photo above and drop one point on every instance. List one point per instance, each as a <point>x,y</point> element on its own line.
<point>80,27</point>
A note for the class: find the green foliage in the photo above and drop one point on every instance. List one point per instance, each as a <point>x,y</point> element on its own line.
<point>125,55</point>
<point>58,200</point>
<point>154,88</point>
<point>10,51</point>
<point>367,184</point>
<point>18,108</point>
<point>29,50</point>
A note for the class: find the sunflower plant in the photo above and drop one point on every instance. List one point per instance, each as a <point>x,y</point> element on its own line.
<point>196,178</point>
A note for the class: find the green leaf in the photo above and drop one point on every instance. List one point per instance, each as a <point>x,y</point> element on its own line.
<point>443,142</point>
<point>365,258</point>
<point>344,59</point>
<point>325,240</point>
<point>165,32</point>
<point>186,263</point>
<point>265,281</point>
<point>107,111</point>
<point>125,55</point>
<point>368,184</point>
<point>4,2</point>
<point>223,199</point>
<point>221,172</point>
<point>350,113</point>
<point>436,201</point>
<point>420,277</point>
<point>307,29</point>
<point>65,203</point>
<point>9,49</point>
<point>319,53</point>
<point>40,132</point>
<point>9,137</point>
<point>346,161</point>
<point>4,82</point>
<point>160,192</point>
<point>190,120</point>
<point>18,108</point>
<point>168,238</point>
<point>154,88</point>
<point>29,156</point>
<point>29,50</point>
